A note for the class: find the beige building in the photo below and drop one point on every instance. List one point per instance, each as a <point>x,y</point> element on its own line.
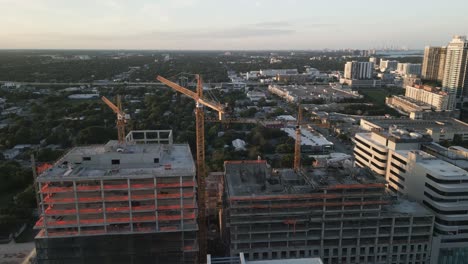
<point>406,104</point>
<point>439,100</point>
<point>434,63</point>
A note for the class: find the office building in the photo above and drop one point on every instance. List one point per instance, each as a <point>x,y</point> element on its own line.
<point>455,74</point>
<point>355,70</point>
<point>120,203</point>
<point>434,63</point>
<point>438,99</point>
<point>340,215</point>
<point>388,65</point>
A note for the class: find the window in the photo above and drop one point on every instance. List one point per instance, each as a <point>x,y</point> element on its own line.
<point>432,188</point>
<point>156,160</point>
<point>86,158</point>
<point>115,162</point>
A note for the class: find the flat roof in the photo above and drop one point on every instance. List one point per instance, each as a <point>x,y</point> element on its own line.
<point>406,206</point>
<point>444,168</point>
<point>255,177</point>
<point>308,138</point>
<point>134,161</point>
<point>419,125</point>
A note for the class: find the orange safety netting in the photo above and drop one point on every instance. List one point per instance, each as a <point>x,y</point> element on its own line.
<point>47,189</point>
<point>51,200</point>
<point>50,211</point>
<point>115,220</point>
<point>43,167</point>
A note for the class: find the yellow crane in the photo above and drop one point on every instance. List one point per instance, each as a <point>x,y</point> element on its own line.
<point>200,102</point>
<point>121,117</point>
<point>297,145</point>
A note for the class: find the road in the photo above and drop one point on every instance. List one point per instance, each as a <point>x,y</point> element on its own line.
<point>85,83</point>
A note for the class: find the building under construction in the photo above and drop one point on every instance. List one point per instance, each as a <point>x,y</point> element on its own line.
<point>341,216</point>
<point>120,203</point>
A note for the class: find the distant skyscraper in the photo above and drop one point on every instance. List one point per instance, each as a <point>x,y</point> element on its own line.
<point>434,63</point>
<point>455,75</point>
<point>358,70</point>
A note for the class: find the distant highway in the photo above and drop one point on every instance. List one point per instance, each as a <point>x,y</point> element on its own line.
<point>84,83</point>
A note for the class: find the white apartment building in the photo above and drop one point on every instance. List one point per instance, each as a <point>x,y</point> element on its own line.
<point>388,65</point>
<point>441,187</point>
<point>409,69</point>
<point>358,70</point>
<point>437,184</point>
<point>438,99</point>
<point>455,75</point>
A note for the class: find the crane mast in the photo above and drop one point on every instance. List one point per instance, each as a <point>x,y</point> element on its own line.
<point>121,117</point>
<point>297,145</point>
<point>200,102</point>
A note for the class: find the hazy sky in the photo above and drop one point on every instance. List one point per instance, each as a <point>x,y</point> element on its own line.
<point>229,24</point>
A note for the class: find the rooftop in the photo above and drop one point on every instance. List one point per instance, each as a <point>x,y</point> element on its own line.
<point>255,177</point>
<point>117,161</point>
<point>309,138</point>
<point>418,125</point>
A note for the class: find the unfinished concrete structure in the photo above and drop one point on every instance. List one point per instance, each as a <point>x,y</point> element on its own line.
<point>120,203</point>
<point>341,216</point>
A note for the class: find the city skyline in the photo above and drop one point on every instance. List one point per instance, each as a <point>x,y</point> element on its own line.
<point>222,25</point>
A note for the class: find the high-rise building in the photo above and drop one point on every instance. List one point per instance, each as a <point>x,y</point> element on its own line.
<point>409,69</point>
<point>120,203</point>
<point>434,63</point>
<point>455,75</point>
<point>340,215</point>
<point>355,70</point>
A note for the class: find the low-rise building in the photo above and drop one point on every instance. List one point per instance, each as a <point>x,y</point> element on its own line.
<point>443,129</point>
<point>438,99</point>
<point>361,83</point>
<point>256,96</point>
<point>311,141</point>
<point>407,104</point>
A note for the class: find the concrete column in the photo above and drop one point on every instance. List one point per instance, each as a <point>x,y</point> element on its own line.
<point>77,208</point>
<point>104,212</point>
<point>156,202</point>
<point>130,204</point>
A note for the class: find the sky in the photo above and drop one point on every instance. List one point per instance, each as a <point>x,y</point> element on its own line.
<point>229,24</point>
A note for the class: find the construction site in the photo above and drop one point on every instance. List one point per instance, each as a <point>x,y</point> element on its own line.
<point>340,214</point>
<point>120,203</point>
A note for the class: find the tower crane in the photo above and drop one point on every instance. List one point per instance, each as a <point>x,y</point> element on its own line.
<point>121,117</point>
<point>297,145</point>
<point>200,102</point>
